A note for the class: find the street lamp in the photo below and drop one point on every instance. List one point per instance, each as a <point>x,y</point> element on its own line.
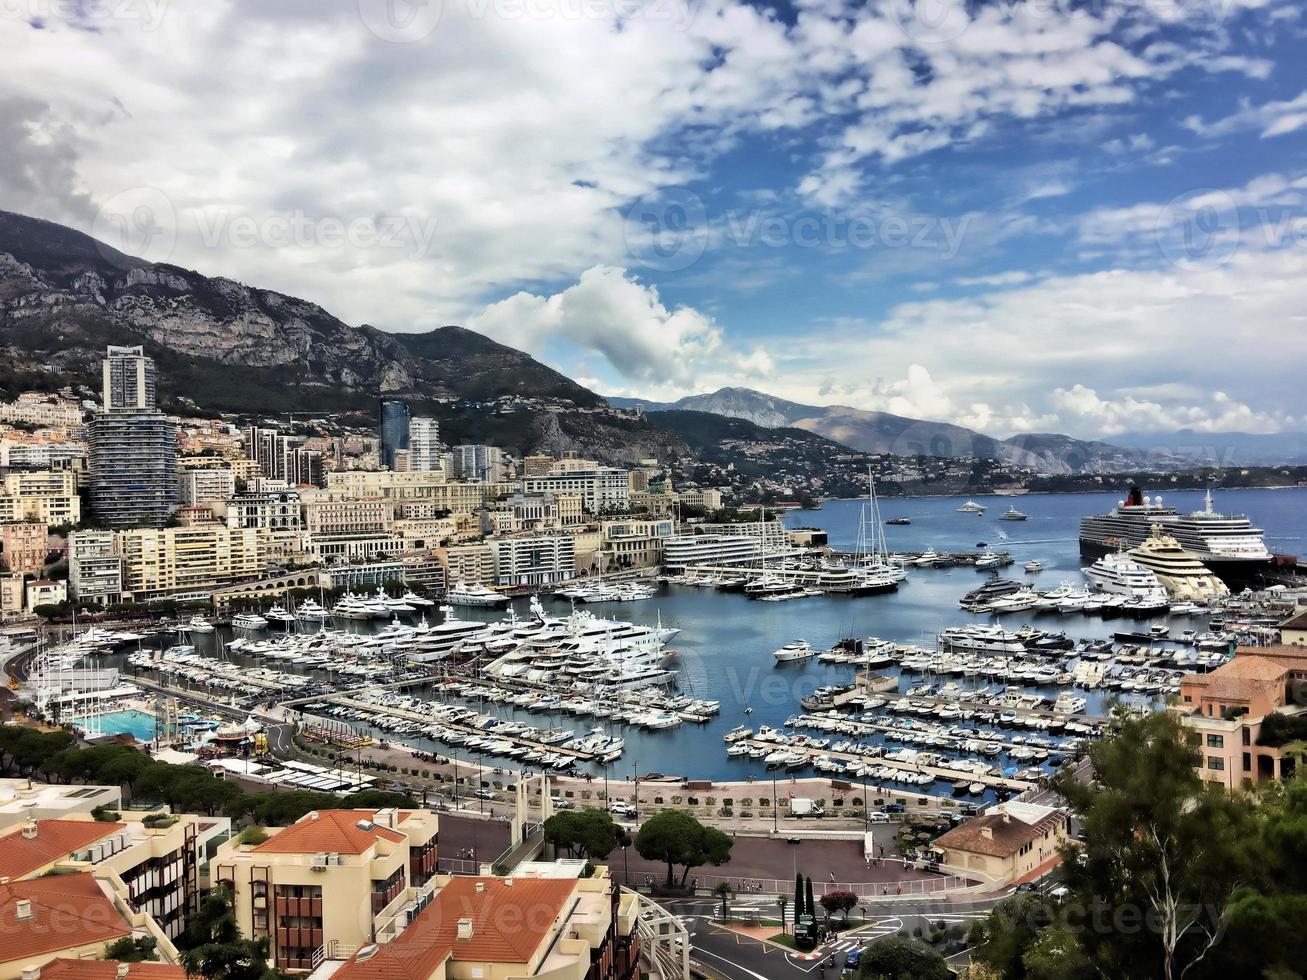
<point>635,772</point>
<point>775,816</point>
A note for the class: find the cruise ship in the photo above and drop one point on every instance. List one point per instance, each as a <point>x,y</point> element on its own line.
<point>1180,573</point>
<point>1229,545</point>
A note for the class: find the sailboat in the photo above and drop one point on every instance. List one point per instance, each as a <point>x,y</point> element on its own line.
<point>877,571</point>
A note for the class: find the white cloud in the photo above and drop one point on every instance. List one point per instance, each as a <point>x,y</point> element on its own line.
<point>1272,118</point>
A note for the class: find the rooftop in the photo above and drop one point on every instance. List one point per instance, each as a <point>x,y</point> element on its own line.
<point>1298,621</point>
<point>1003,831</point>
<point>509,919</point>
<point>70,969</point>
<point>331,832</point>
<point>52,840</point>
<point>66,912</point>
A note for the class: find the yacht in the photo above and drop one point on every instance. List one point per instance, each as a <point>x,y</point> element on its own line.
<point>249,621</point>
<point>392,604</point>
<point>475,595</point>
<point>1180,572</point>
<point>971,507</point>
<point>990,560</point>
<point>351,606</point>
<point>796,651</point>
<point>1034,566</point>
<point>278,614</point>
<point>198,624</point>
<point>310,611</point>
<point>899,521</point>
<point>929,557</point>
<point>1122,575</point>
<point>980,639</point>
<point>995,588</point>
<point>1012,514</point>
<point>1228,545</point>
<point>416,601</point>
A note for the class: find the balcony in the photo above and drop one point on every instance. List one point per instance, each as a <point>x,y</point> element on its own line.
<point>302,907</point>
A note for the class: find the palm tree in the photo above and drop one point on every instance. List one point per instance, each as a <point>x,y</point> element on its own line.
<point>723,891</point>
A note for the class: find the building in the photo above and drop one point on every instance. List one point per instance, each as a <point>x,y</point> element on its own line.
<point>43,410</point>
<point>43,496</point>
<point>479,464</point>
<point>726,544</point>
<point>274,510</point>
<point>133,446</point>
<point>128,379</point>
<point>706,499</point>
<point>534,560</point>
<point>424,444</point>
<point>45,455</point>
<point>634,543</point>
<point>602,489</point>
<point>159,562</point>
<point>471,564</point>
<point>1009,842</point>
<point>281,457</point>
<point>1293,631</point>
<point>393,432</point>
<point>44,592</point>
<point>23,546</point>
<point>537,465</point>
<point>11,595</point>
<point>1228,707</point>
<point>197,486</point>
<point>333,880</point>
<point>67,916</point>
<point>95,570</point>
<point>559,925</point>
<point>22,800</point>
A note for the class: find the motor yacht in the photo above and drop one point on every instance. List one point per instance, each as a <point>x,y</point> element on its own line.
<point>1034,566</point>
<point>278,614</point>
<point>249,621</point>
<point>971,507</point>
<point>475,595</point>
<point>1012,514</point>
<point>309,611</point>
<point>796,651</point>
<point>198,624</point>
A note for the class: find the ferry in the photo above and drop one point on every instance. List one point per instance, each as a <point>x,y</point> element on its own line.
<point>1229,545</point>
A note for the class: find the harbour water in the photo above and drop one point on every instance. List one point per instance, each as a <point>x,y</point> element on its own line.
<point>726,640</point>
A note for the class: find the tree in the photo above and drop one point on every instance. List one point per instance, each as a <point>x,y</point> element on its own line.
<point>1000,940</point>
<point>798,897</point>
<point>902,958</point>
<point>212,946</point>
<point>723,891</point>
<point>1158,842</point>
<point>588,833</point>
<point>839,900</point>
<point>782,901</point>
<point>1056,954</point>
<point>131,949</point>
<point>809,906</point>
<point>675,837</point>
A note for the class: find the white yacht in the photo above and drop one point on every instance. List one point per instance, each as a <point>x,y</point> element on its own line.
<point>1179,571</point>
<point>351,606</point>
<point>989,560</point>
<point>416,601</point>
<point>971,507</point>
<point>198,624</point>
<point>392,604</point>
<point>982,639</point>
<point>793,652</point>
<point>249,621</point>
<point>1122,575</point>
<point>1034,566</point>
<point>278,614</point>
<point>1012,514</point>
<point>475,595</point>
<point>310,611</point>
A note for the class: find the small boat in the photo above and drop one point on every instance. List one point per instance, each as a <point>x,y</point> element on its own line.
<point>1012,514</point>
<point>1034,566</point>
<point>899,521</point>
<point>794,652</point>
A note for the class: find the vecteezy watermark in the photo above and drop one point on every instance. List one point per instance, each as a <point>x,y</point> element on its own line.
<point>401,21</point>
<point>669,230</point>
<point>143,222</point>
<point>927,22</point>
<point>145,14</point>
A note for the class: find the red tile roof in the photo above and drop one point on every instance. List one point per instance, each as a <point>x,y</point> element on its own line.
<point>68,969</point>
<point>330,832</point>
<point>54,840</point>
<point>509,924</point>
<point>1007,834</point>
<point>68,912</point>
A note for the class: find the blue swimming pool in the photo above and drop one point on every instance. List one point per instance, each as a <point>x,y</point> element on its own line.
<point>138,724</point>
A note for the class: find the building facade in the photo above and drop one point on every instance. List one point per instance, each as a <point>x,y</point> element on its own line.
<point>602,489</point>
<point>424,444</point>
<point>95,570</point>
<point>158,562</point>
<point>539,560</point>
<point>195,486</point>
<point>479,464</point>
<point>393,432</point>
<point>23,546</point>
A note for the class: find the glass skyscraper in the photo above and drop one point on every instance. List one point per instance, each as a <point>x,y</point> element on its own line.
<point>394,430</point>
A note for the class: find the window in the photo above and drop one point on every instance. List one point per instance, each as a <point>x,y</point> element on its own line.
<point>1215,763</point>
<point>1216,741</point>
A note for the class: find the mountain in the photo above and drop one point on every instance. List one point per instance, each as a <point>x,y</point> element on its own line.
<point>881,432</point>
<point>1223,448</point>
<point>220,345</point>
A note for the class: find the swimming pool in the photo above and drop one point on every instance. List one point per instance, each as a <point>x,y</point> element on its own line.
<point>138,724</point>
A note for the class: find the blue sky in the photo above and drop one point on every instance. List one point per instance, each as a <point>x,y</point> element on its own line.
<point>1018,216</point>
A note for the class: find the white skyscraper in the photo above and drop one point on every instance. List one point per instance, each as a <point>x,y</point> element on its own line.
<point>424,444</point>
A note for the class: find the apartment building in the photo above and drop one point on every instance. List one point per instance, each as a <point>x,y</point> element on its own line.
<point>417,494</point>
<point>634,543</point>
<point>701,497</point>
<point>23,546</point>
<point>274,510</point>
<point>95,569</point>
<point>44,592</point>
<point>471,564</point>
<point>40,409</point>
<point>536,560</point>
<point>11,595</point>
<point>197,486</point>
<point>424,444</point>
<point>479,464</point>
<point>537,465</point>
<point>42,496</point>
<point>328,884</point>
<point>43,454</point>
<point>161,561</point>
<point>1227,710</point>
<point>602,489</point>
<point>725,544</point>
<point>22,800</point>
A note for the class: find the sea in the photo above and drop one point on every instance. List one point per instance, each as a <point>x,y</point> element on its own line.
<point>724,648</point>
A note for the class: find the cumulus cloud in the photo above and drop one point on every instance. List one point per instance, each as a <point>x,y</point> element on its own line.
<point>1276,118</point>
<point>612,314</point>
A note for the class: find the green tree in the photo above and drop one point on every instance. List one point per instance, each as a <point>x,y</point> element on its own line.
<point>798,897</point>
<point>1056,954</point>
<point>587,833</point>
<point>902,958</point>
<point>213,948</point>
<point>809,906</point>
<point>1159,845</point>
<point>131,949</point>
<point>723,891</point>
<point>1001,939</point>
<point>675,837</point>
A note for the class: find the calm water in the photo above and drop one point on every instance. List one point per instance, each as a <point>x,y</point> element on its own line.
<point>726,640</point>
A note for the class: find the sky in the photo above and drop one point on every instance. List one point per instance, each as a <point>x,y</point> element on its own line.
<point>1080,216</point>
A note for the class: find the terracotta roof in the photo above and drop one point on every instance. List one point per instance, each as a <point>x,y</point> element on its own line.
<point>331,832</point>
<point>509,923</point>
<point>68,969</point>
<point>68,911</point>
<point>1007,834</point>
<point>1298,622</point>
<point>54,840</point>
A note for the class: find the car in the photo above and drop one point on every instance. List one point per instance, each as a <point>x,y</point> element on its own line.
<point>1060,892</point>
<point>485,794</point>
<point>894,808</point>
<point>559,803</point>
<point>618,808</point>
<point>1025,886</point>
<point>878,816</point>
<point>853,959</point>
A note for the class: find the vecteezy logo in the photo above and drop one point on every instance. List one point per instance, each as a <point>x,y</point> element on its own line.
<point>139,221</point>
<point>400,21</point>
<point>1198,226</point>
<point>667,230</point>
<point>930,21</point>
